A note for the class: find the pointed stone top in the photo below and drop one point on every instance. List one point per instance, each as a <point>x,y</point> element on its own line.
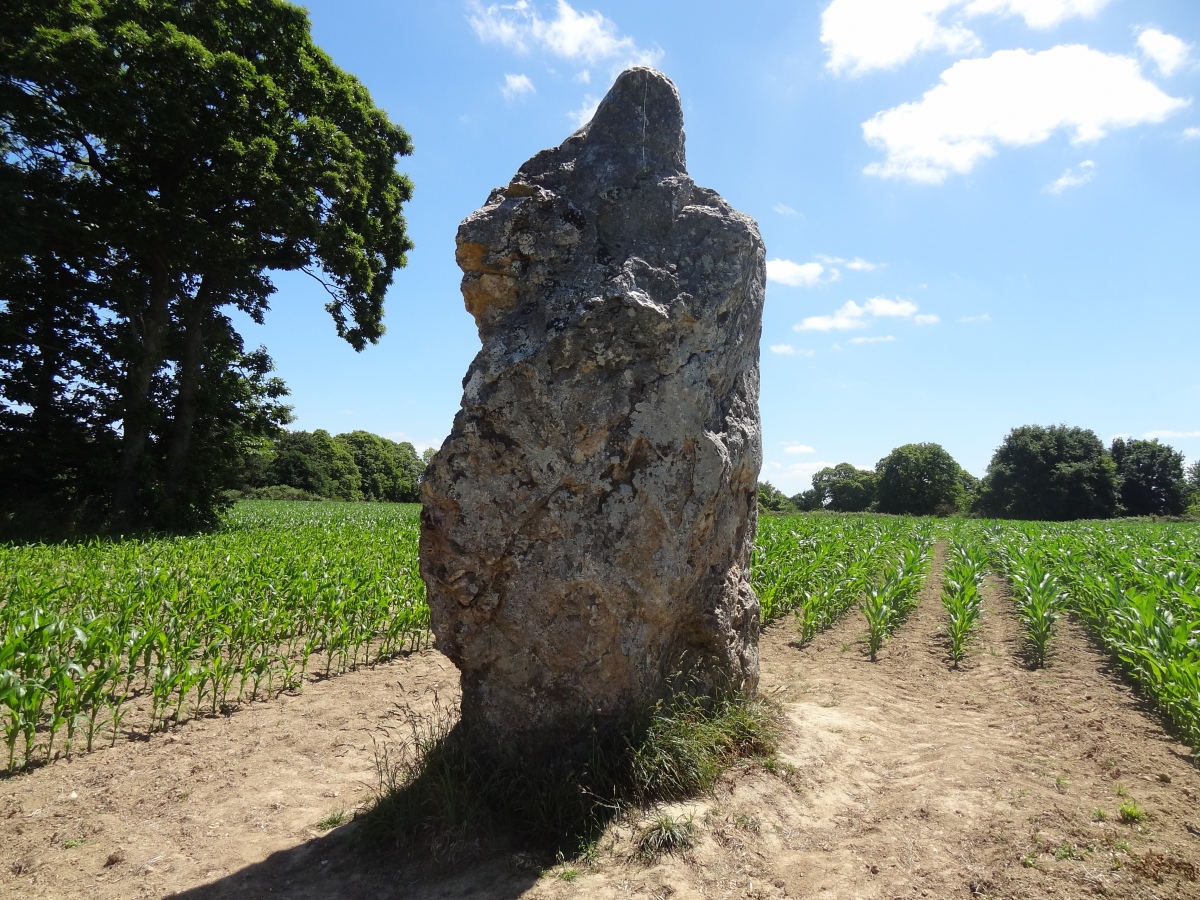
<point>639,124</point>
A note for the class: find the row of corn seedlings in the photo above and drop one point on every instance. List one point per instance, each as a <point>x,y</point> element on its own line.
<point>182,627</point>
<point>966,565</point>
<point>817,567</point>
<point>1138,590</point>
<point>887,603</point>
<point>1038,596</point>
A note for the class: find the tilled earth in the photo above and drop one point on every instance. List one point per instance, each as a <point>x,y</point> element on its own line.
<point>899,778</point>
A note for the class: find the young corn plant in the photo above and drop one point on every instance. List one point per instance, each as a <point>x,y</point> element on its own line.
<point>1040,603</point>
<point>964,571</point>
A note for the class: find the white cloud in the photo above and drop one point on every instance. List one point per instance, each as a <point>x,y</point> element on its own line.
<point>783,209</point>
<point>1012,98</point>
<point>851,316</point>
<point>1168,52</point>
<point>575,36</point>
<point>783,349</point>
<point>584,77</point>
<point>971,320</point>
<point>799,274</point>
<point>517,86</point>
<point>1163,435</point>
<point>864,35</point>
<point>926,319</point>
<point>798,448</point>
<point>882,306</point>
<point>873,340</point>
<point>858,264</point>
<point>1073,177</point>
<point>1039,14</point>
<point>583,115</point>
<point>1191,133</point>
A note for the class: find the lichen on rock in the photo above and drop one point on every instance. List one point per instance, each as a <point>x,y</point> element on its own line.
<point>587,526</point>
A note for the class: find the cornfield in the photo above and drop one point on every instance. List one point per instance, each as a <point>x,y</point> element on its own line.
<point>183,627</point>
<point>101,638</point>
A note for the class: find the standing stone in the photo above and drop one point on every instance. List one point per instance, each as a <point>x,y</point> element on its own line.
<point>587,525</point>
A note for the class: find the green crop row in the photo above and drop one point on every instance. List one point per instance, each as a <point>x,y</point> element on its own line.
<point>188,626</point>
<point>1135,585</point>
<point>819,567</point>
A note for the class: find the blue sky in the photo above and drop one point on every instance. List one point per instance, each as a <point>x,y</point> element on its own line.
<point>979,214</point>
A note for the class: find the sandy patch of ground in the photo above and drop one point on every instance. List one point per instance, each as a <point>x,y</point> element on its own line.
<point>901,778</point>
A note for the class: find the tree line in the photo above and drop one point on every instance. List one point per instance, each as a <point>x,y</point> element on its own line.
<point>158,160</point>
<point>1046,473</point>
<point>315,465</point>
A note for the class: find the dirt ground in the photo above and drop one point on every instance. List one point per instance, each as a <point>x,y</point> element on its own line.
<point>903,778</point>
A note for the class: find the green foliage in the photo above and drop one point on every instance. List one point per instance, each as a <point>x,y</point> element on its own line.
<point>817,567</point>
<point>1040,603</point>
<point>354,466</point>
<point>888,603</point>
<point>1150,478</point>
<point>665,834</point>
<point>844,488</point>
<point>444,788</point>
<point>773,500</point>
<point>966,564</point>
<point>1137,586</point>
<point>919,480</point>
<point>157,161</point>
<point>199,623</point>
<point>1054,473</point>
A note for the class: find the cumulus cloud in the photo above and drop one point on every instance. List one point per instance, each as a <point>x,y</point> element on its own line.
<point>973,320</point>
<point>784,210</point>
<point>783,349</point>
<point>851,316</point>
<point>516,86</point>
<point>798,448</point>
<point>887,339</point>
<point>861,36</point>
<point>1073,177</point>
<point>1165,435</point>
<point>794,274</point>
<point>1168,52</point>
<point>583,38</point>
<point>858,264</point>
<point>926,319</point>
<point>1191,134</point>
<point>1040,14</point>
<point>1012,98</point>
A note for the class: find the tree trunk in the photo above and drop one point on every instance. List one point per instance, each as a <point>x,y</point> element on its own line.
<point>195,316</point>
<point>152,327</point>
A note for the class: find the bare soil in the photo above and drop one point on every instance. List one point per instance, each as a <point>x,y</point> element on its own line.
<point>900,778</point>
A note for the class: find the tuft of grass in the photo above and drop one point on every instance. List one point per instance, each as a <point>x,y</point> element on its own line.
<point>1130,813</point>
<point>445,790</point>
<point>1100,815</point>
<point>335,819</point>
<point>666,834</point>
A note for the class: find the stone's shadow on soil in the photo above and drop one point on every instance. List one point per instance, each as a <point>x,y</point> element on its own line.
<point>337,867</point>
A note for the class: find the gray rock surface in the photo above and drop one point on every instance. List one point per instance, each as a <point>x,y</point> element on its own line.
<point>587,525</point>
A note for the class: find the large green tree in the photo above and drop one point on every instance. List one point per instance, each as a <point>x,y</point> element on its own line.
<point>844,488</point>
<point>1150,478</point>
<point>158,159</point>
<point>1055,473</point>
<point>919,480</point>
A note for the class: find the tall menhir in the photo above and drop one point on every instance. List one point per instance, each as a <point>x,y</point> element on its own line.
<point>587,525</point>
